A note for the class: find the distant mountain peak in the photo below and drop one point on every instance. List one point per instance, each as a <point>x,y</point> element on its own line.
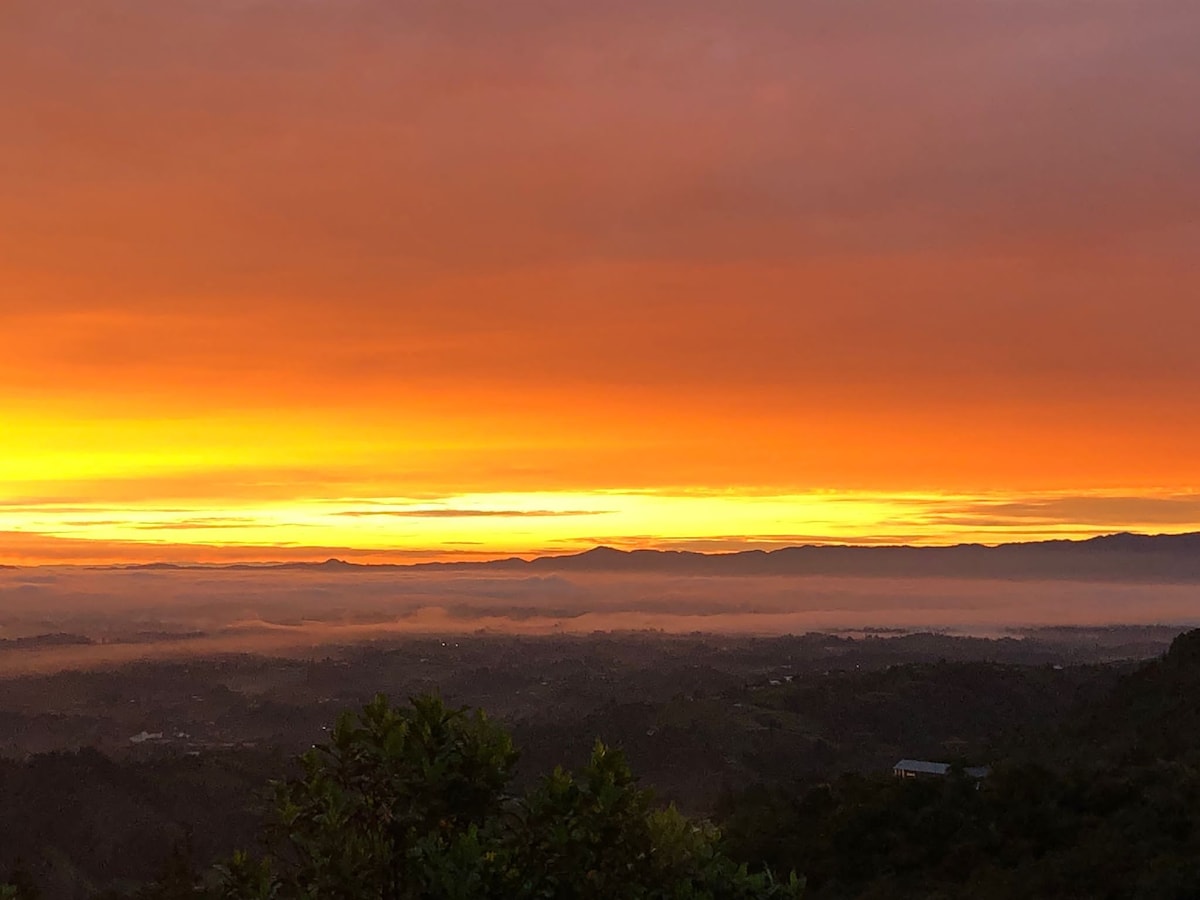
<point>1120,557</point>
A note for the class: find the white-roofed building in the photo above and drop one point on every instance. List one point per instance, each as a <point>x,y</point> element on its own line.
<point>920,768</point>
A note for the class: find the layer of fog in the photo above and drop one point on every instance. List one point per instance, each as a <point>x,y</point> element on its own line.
<point>140,613</point>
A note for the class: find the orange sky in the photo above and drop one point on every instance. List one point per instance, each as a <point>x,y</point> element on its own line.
<point>407,279</point>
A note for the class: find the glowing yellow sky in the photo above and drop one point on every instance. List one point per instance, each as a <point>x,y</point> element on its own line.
<point>397,280</point>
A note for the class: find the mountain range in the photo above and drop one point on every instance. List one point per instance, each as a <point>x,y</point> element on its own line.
<point>1116,557</point>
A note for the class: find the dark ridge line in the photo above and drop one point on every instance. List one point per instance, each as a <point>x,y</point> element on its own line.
<point>1125,546</point>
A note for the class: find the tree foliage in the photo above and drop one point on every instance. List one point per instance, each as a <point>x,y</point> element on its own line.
<point>1109,811</point>
<point>19,885</point>
<point>412,802</point>
<point>395,797</point>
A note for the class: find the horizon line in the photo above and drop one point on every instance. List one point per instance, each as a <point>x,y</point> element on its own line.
<point>533,556</point>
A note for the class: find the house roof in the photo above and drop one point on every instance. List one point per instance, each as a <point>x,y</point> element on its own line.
<point>924,767</point>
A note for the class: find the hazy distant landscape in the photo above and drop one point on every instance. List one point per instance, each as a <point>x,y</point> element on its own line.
<point>54,617</point>
<point>150,706</point>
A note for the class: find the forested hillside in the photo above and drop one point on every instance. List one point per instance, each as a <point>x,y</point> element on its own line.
<point>1093,792</point>
<point>1107,805</point>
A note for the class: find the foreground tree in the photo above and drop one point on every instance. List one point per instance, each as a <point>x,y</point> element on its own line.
<point>411,802</point>
<point>596,835</point>
<point>20,885</point>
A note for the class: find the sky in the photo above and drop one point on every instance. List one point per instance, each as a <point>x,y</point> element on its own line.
<point>393,279</point>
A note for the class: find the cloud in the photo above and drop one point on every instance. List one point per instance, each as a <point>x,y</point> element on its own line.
<point>1128,512</point>
<point>674,130</point>
<point>291,611</point>
<point>215,522</point>
<point>451,513</point>
<point>169,491</point>
<point>388,247</point>
<point>370,530</point>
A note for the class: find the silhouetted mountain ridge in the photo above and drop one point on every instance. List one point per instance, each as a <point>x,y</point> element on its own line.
<point>1114,557</point>
<point>1118,556</point>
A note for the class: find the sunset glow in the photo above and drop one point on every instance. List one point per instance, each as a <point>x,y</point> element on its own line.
<point>404,281</point>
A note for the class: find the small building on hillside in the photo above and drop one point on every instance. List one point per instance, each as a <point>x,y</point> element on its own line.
<point>920,768</point>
